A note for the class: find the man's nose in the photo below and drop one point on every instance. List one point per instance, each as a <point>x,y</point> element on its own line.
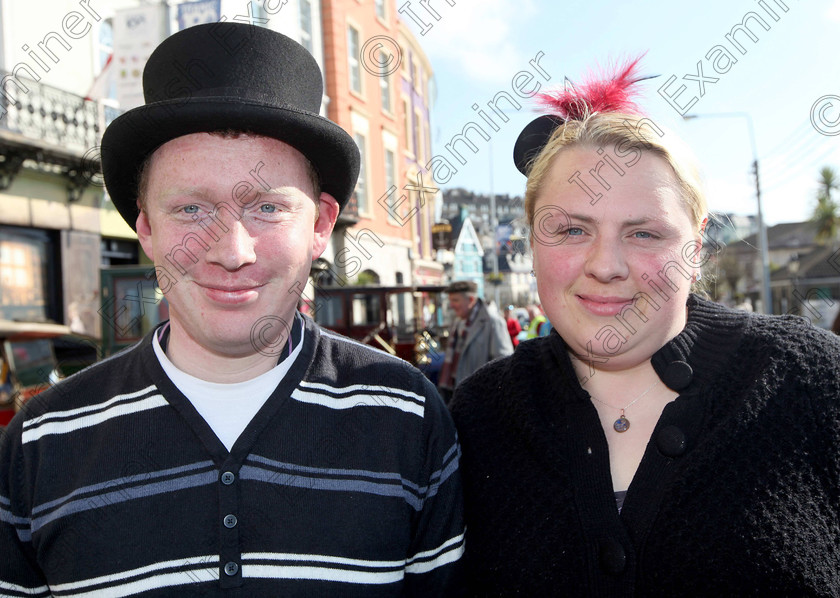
<point>234,249</point>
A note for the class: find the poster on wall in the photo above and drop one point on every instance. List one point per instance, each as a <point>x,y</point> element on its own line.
<point>137,32</point>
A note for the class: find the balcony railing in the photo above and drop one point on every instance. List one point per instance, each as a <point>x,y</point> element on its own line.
<point>49,117</point>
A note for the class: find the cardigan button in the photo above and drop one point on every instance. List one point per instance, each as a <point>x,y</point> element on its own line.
<point>671,441</point>
<point>228,478</point>
<point>677,375</point>
<point>231,569</point>
<point>613,558</point>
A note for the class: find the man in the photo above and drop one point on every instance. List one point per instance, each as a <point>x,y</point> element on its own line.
<point>238,449</point>
<point>476,337</point>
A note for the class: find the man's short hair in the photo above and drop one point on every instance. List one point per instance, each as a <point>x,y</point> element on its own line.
<point>462,286</point>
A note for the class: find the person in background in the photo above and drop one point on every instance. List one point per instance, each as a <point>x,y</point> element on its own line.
<point>475,337</point>
<point>538,325</point>
<point>513,325</point>
<point>238,449</point>
<point>655,444</point>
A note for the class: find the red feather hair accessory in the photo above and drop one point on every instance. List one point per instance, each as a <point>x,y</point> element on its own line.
<point>603,92</point>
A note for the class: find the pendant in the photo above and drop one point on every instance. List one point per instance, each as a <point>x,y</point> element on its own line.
<point>622,424</point>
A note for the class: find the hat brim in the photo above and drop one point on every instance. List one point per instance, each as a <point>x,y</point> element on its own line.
<point>133,136</point>
<point>532,139</point>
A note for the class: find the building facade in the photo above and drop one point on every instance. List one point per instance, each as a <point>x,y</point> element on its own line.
<point>378,84</point>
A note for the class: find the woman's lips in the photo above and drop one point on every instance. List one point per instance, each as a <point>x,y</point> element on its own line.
<point>603,306</point>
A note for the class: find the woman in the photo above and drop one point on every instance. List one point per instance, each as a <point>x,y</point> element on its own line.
<point>655,444</point>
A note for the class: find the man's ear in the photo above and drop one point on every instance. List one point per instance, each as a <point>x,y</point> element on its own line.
<point>144,234</point>
<point>327,213</point>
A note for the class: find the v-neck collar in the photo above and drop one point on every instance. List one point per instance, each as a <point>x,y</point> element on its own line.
<point>244,444</point>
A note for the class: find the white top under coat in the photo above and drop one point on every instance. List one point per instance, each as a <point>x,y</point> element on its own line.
<point>227,408</point>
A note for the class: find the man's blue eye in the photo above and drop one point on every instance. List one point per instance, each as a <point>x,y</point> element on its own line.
<point>574,231</point>
<point>268,208</point>
<point>191,209</point>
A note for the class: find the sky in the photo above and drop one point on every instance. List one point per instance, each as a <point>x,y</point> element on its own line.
<point>788,81</point>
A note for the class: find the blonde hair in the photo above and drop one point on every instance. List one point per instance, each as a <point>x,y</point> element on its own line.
<point>626,133</point>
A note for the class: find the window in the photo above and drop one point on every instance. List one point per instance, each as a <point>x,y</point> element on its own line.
<point>26,277</point>
<point>407,127</point>
<point>105,84</point>
<point>391,181</point>
<point>353,59</point>
<point>306,24</point>
<point>385,82</point>
<point>380,8</point>
<point>361,184</point>
<point>390,169</point>
<point>418,136</point>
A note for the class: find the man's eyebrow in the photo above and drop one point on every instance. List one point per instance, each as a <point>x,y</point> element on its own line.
<point>199,192</point>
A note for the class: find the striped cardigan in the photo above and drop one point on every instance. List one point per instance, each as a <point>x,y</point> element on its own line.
<point>345,483</point>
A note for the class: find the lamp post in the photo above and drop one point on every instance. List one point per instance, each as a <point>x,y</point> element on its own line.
<point>766,301</point>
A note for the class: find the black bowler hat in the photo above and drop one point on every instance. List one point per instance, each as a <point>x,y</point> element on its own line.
<point>223,76</point>
<point>532,139</point>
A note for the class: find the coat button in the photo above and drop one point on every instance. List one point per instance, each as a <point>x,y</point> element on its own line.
<point>671,441</point>
<point>231,569</point>
<point>228,478</point>
<point>677,375</point>
<point>613,558</point>
<point>230,521</point>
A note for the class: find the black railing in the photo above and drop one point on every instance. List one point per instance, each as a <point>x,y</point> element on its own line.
<point>50,116</point>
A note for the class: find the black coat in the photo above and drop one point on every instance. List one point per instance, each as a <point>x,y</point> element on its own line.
<point>738,493</point>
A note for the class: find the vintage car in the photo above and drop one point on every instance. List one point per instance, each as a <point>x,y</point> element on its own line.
<point>406,321</point>
<point>35,355</point>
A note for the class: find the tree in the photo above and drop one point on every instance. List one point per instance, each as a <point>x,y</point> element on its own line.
<point>826,213</point>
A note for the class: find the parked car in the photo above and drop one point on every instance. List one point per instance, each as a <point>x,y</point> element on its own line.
<point>34,356</point>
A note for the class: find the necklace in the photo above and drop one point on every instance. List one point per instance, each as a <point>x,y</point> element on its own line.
<point>622,424</point>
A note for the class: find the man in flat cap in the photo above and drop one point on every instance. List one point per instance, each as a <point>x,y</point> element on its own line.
<point>238,449</point>
<point>475,337</point>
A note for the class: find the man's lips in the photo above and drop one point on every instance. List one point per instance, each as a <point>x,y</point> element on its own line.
<point>231,294</point>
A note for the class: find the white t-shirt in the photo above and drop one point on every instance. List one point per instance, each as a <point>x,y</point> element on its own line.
<point>227,408</point>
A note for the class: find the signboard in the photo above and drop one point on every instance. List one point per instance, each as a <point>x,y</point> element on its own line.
<point>137,31</point>
<point>198,13</point>
<point>442,236</point>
